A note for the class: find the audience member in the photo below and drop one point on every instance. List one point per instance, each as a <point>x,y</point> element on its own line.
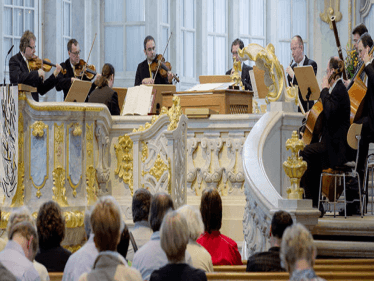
<point>20,215</point>
<point>270,260</point>
<point>51,231</point>
<point>20,251</point>
<point>124,241</point>
<point>151,256</point>
<point>224,251</point>
<point>82,260</point>
<point>174,240</point>
<point>141,232</point>
<point>298,253</point>
<point>200,257</point>
<point>6,274</point>
<point>106,224</point>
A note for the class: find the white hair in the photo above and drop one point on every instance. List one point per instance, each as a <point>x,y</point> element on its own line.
<point>19,215</point>
<point>194,221</point>
<point>174,236</point>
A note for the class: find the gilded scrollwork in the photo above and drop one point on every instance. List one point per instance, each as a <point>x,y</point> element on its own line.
<point>19,196</point>
<point>38,129</point>
<point>58,188</point>
<point>144,151</point>
<point>74,219</point>
<point>76,132</point>
<point>124,150</point>
<point>90,171</point>
<point>332,8</point>
<point>174,113</point>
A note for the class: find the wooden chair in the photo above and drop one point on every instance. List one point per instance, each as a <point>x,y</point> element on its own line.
<point>55,276</point>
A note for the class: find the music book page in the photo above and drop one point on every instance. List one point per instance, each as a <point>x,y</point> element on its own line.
<point>138,101</point>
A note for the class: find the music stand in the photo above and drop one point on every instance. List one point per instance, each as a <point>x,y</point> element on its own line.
<point>307,82</point>
<point>78,91</point>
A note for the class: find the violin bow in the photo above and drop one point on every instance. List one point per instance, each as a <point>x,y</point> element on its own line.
<point>89,54</point>
<point>158,66</point>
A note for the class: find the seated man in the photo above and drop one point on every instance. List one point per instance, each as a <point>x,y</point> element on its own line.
<point>246,80</point>
<point>20,72</point>
<point>151,256</point>
<point>20,251</point>
<point>106,225</point>
<point>270,260</point>
<point>141,202</point>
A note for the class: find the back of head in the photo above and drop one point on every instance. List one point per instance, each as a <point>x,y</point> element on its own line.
<point>211,210</point>
<point>161,204</point>
<point>141,202</point>
<point>366,40</point>
<point>19,215</point>
<point>25,40</point>
<point>299,39</point>
<point>194,221</point>
<point>106,72</point>
<point>124,242</point>
<point>281,220</point>
<point>174,236</point>
<point>360,29</point>
<point>297,244</point>
<point>106,224</point>
<point>26,230</point>
<point>50,224</point>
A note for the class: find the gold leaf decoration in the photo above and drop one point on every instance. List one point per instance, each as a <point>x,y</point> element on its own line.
<point>124,150</point>
<point>38,129</point>
<point>144,151</point>
<point>158,168</point>
<point>90,189</point>
<point>74,219</point>
<point>59,186</point>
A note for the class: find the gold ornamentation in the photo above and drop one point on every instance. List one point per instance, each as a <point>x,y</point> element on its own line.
<point>175,112</point>
<point>18,198</point>
<point>158,168</point>
<point>90,171</point>
<point>292,94</point>
<point>38,128</point>
<point>124,150</point>
<point>74,219</point>
<point>59,133</point>
<point>266,60</point>
<point>144,151</point>
<point>72,249</point>
<point>77,131</point>
<point>59,186</point>
<point>295,166</point>
<point>4,219</point>
<point>331,9</point>
<point>235,76</point>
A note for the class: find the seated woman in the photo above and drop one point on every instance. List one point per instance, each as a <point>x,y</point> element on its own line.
<point>104,93</point>
<point>298,253</point>
<point>224,251</point>
<point>51,231</point>
<point>174,238</point>
<point>200,257</point>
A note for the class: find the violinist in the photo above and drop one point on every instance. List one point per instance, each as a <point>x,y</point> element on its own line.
<point>331,149</point>
<point>144,74</point>
<point>21,73</point>
<point>65,80</point>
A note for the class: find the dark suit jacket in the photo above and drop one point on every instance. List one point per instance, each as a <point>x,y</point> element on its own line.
<point>246,80</point>
<point>307,61</point>
<point>64,80</point>
<point>369,97</point>
<point>106,96</point>
<point>143,72</point>
<point>336,113</point>
<point>265,261</point>
<point>20,74</point>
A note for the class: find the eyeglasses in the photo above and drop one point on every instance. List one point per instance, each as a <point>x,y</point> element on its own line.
<point>76,53</point>
<point>32,48</point>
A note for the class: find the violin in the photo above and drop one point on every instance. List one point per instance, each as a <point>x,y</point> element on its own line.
<point>163,67</point>
<point>82,68</point>
<point>36,63</point>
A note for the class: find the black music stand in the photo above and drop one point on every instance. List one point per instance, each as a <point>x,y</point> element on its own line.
<point>307,82</point>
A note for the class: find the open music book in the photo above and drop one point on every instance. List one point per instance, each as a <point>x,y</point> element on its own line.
<point>139,100</point>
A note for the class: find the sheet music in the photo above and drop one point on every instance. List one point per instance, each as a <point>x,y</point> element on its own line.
<point>210,87</point>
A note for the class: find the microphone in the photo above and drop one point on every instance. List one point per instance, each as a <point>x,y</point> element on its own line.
<point>11,48</point>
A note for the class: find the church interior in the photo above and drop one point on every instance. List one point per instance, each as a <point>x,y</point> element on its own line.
<point>76,152</point>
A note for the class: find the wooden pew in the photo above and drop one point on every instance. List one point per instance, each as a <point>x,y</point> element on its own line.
<point>338,261</point>
<point>55,276</point>
<point>317,267</point>
<point>280,276</point>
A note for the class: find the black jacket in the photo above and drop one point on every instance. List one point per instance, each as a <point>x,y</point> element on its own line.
<point>369,97</point>
<point>246,79</point>
<point>143,72</point>
<point>307,61</point>
<point>20,74</point>
<point>106,96</point>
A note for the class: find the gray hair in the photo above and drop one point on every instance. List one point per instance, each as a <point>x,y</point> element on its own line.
<point>297,244</point>
<point>87,223</point>
<point>174,236</point>
<point>117,206</point>
<point>20,215</point>
<point>194,220</point>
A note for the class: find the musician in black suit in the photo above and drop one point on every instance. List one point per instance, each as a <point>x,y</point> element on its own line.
<point>65,80</point>
<point>331,149</point>
<point>104,93</point>
<point>19,70</point>
<point>246,80</point>
<point>144,74</point>
<point>299,59</point>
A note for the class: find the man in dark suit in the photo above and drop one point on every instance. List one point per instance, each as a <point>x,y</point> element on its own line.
<point>144,74</point>
<point>20,72</point>
<point>299,59</point>
<point>246,80</point>
<point>331,150</point>
<point>65,80</point>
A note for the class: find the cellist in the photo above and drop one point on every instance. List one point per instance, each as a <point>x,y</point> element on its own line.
<point>331,149</point>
